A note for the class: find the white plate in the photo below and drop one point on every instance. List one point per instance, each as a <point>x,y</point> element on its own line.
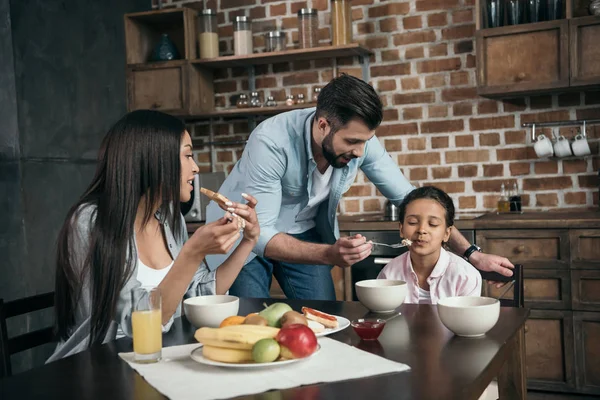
<point>343,323</point>
<point>198,357</point>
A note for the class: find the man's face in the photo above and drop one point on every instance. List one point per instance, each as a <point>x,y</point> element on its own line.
<point>347,143</point>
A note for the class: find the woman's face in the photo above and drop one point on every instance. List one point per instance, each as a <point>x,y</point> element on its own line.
<point>189,168</point>
<point>425,224</point>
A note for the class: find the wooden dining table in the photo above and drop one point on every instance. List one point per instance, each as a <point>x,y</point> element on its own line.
<point>443,366</point>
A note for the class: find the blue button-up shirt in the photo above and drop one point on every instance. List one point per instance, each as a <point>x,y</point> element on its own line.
<point>277,167</point>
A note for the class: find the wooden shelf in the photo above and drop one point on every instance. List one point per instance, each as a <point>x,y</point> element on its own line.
<point>314,53</point>
<point>246,112</point>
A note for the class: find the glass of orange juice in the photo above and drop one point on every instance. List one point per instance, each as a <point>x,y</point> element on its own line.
<point>146,321</point>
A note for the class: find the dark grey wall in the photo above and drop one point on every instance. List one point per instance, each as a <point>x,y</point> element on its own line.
<point>62,84</point>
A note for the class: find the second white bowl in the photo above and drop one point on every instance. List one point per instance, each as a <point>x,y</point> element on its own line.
<point>381,295</point>
<point>210,311</point>
<point>469,316</point>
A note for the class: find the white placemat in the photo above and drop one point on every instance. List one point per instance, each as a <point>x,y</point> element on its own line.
<point>179,377</point>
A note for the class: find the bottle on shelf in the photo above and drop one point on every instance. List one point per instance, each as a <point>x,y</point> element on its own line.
<point>255,100</point>
<point>242,101</point>
<point>316,92</point>
<point>208,38</point>
<point>289,101</point>
<point>300,99</point>
<point>515,199</point>
<point>242,36</point>
<point>270,102</point>
<point>503,202</point>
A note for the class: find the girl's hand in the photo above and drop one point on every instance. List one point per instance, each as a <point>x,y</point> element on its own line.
<point>217,237</point>
<point>248,213</point>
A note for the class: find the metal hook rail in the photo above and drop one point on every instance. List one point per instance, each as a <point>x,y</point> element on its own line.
<point>582,122</point>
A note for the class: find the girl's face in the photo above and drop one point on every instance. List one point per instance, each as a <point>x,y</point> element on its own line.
<point>425,224</point>
<point>189,168</point>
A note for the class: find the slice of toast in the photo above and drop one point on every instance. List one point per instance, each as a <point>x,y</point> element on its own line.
<point>327,320</point>
<point>215,196</point>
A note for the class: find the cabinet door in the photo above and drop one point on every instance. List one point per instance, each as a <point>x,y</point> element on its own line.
<point>585,52</point>
<point>522,59</point>
<point>534,248</point>
<point>585,248</point>
<point>587,350</point>
<point>586,290</point>
<point>549,349</point>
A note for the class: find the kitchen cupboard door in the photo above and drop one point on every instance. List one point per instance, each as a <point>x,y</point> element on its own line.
<point>587,350</point>
<point>585,248</point>
<point>549,349</point>
<point>585,52</point>
<point>534,248</point>
<point>522,59</point>
<point>585,286</point>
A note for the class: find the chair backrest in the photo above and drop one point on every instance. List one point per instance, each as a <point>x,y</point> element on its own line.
<point>518,299</point>
<point>16,344</point>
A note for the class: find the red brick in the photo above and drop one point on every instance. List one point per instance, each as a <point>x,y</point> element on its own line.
<point>489,139</point>
<point>402,39</point>
<point>546,167</point>
<point>414,98</point>
<point>398,129</point>
<point>388,25</point>
<point>446,64</point>
<point>388,55</point>
<point>295,7</point>
<point>459,78</point>
<point>467,156</point>
<point>390,70</point>
<point>412,113</point>
<point>386,85</point>
<point>359,190</point>
<point>438,50</point>
<point>412,83</point>
<point>351,206</point>
<point>588,113</point>
<point>467,171</point>
<point>461,16</point>
<point>464,141</point>
<point>546,200</point>
<point>459,94</point>
<point>418,174</point>
<point>471,61</point>
<point>455,125</point>
<point>487,107</point>
<point>301,78</point>
<point>237,3</point>
<point>393,144</point>
<point>575,198</point>
<point>574,166</point>
<point>462,109</point>
<point>515,137</point>
<point>569,99</point>
<point>419,159</point>
<point>539,102</point>
<point>263,82</point>
<point>225,86</point>
<point>438,19</point>
<point>224,156</point>
<point>465,46</point>
<point>416,143</point>
<point>466,202</point>
<point>519,168</point>
<point>480,124</point>
<point>389,9</point>
<point>440,142</point>
<point>449,187</point>
<point>412,22</point>
<point>437,111</point>
<point>555,183</point>
<point>441,172</point>
<point>428,5</point>
<point>377,42</point>
<point>513,105</point>
<point>491,201</point>
<point>362,28</point>
<point>278,9</point>
<point>491,185</point>
<point>390,114</point>
<point>415,52</point>
<point>549,116</point>
<point>519,153</point>
<point>458,32</point>
<point>433,81</point>
<point>203,158</point>
<point>588,181</point>
<point>371,205</point>
<point>493,170</point>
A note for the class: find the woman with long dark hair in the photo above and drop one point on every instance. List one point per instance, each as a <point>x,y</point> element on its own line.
<point>127,230</point>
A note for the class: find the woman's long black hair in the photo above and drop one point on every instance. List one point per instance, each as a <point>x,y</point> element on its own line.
<point>138,157</point>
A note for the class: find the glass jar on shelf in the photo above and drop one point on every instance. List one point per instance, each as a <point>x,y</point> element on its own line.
<point>242,101</point>
<point>300,99</point>
<point>275,41</point>
<point>289,101</point>
<point>255,100</point>
<point>341,22</point>
<point>308,28</point>
<point>270,102</point>
<point>208,38</point>
<point>316,92</point>
<point>242,36</point>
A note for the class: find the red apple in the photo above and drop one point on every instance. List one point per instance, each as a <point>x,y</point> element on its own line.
<point>296,341</point>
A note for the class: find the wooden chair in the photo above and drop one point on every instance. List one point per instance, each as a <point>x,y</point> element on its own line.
<point>10,346</point>
<point>516,280</point>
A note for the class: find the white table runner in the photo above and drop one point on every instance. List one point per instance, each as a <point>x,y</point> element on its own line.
<point>179,377</point>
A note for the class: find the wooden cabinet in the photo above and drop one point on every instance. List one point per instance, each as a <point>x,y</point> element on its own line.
<point>586,290</point>
<point>587,351</point>
<point>585,52</point>
<point>585,248</point>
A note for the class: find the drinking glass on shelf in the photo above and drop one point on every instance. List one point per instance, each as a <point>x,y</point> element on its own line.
<point>554,9</point>
<point>534,10</point>
<point>495,13</point>
<point>515,13</point>
<point>146,322</point>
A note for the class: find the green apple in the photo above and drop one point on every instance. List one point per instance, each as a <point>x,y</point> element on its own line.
<point>274,312</point>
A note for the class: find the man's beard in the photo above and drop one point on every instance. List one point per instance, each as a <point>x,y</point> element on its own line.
<point>336,161</point>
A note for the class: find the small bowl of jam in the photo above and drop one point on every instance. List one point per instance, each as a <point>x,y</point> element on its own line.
<point>368,328</point>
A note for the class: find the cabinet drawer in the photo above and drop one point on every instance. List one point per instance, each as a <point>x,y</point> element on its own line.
<point>549,349</point>
<point>587,346</point>
<point>585,248</point>
<point>532,248</point>
<point>585,52</point>
<point>586,290</point>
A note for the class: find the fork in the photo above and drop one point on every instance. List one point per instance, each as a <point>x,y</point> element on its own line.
<point>393,246</point>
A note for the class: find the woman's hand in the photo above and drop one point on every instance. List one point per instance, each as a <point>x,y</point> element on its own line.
<point>248,213</point>
<point>217,237</point>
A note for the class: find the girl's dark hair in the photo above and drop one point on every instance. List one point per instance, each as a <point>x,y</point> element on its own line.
<point>139,156</point>
<point>345,98</point>
<point>433,193</point>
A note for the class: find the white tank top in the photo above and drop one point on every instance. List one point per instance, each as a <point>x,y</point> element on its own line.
<point>424,296</point>
<point>150,276</point>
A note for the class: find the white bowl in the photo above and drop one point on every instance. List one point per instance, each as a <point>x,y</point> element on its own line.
<point>469,316</point>
<point>381,295</point>
<point>210,311</point>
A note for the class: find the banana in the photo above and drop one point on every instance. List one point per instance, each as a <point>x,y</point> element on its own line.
<point>240,337</point>
<point>227,355</point>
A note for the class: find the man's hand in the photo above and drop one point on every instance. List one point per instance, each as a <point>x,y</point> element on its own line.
<point>349,250</point>
<point>492,263</point>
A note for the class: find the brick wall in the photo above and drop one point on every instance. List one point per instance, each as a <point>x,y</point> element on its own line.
<point>435,126</point>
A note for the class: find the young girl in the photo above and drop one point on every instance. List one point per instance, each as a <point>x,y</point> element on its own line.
<point>127,230</point>
<point>430,272</point>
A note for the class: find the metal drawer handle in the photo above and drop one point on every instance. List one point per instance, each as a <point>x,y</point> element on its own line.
<point>382,261</point>
<point>526,328</point>
<point>520,248</point>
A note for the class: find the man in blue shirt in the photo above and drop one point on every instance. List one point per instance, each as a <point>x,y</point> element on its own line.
<point>297,165</point>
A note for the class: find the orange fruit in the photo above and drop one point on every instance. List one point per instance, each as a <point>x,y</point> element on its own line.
<point>233,320</point>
